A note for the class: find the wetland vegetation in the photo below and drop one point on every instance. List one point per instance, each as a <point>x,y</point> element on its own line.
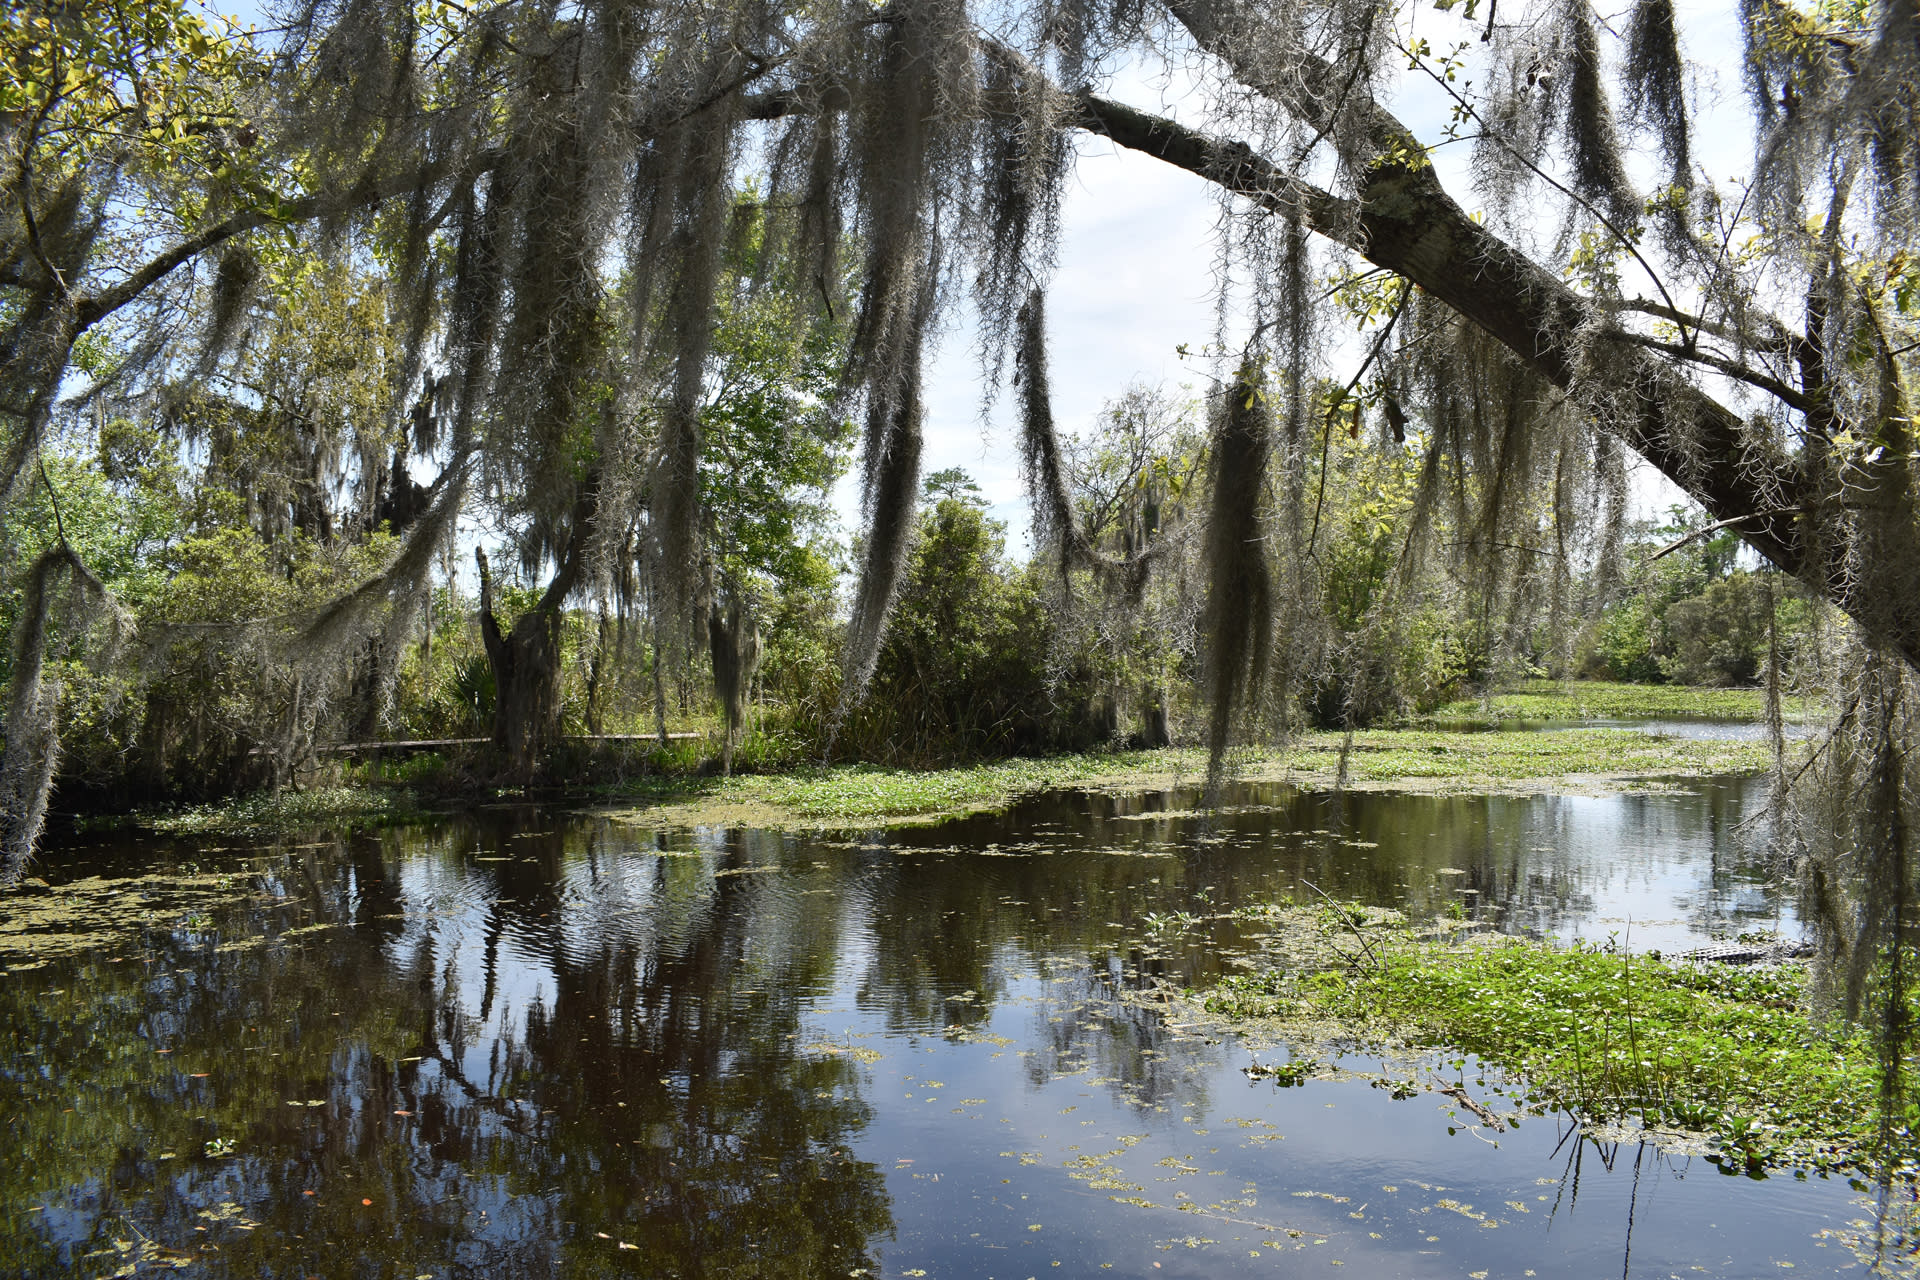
<point>803,795</point>
<point>1734,1056</point>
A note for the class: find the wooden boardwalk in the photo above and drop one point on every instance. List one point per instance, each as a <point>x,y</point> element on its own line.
<point>404,745</point>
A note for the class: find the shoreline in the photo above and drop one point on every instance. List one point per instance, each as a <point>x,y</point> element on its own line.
<point>1576,761</point>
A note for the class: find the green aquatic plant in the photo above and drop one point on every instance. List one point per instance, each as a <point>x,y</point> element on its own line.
<point>1611,700</point>
<point>1739,1055</point>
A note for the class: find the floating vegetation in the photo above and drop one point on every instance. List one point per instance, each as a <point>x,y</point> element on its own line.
<point>1582,760</point>
<point>1735,1054</point>
<point>286,812</point>
<point>43,921</point>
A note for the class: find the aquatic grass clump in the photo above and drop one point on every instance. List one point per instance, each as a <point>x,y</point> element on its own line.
<point>282,812</point>
<point>1387,756</point>
<point>1732,1054</point>
<point>1606,699</point>
<point>862,793</point>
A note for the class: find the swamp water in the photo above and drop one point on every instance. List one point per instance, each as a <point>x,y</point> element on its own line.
<point>522,1043</point>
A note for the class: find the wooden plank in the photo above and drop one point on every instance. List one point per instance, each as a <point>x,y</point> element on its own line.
<point>430,744</point>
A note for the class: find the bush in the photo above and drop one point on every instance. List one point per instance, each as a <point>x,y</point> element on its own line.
<point>1719,637</point>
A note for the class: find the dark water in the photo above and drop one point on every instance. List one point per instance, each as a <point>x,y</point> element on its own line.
<point>520,1043</point>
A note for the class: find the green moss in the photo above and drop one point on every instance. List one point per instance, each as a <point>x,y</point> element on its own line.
<point>1734,1054</point>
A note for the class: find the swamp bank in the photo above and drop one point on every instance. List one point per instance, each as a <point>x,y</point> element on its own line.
<point>1581,760</point>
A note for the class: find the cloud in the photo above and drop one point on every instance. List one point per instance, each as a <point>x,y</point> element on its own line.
<point>1136,278</point>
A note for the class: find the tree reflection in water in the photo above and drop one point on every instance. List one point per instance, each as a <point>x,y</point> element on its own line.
<point>631,1096</point>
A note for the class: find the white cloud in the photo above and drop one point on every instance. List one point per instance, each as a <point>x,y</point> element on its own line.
<point>1135,280</point>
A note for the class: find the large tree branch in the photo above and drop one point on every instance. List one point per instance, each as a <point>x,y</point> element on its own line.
<point>93,308</point>
<point>1405,222</point>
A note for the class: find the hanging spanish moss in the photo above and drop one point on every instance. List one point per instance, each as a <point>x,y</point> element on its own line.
<point>233,289</point>
<point>704,197</point>
<point>383,604</point>
<point>61,603</point>
<point>1057,529</point>
<point>913,123</point>
<point>1591,136</point>
<point>1025,162</point>
<point>1656,85</point>
<point>1238,617</point>
<point>892,492</point>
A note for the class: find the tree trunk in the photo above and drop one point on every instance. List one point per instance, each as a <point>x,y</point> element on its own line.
<point>659,682</point>
<point>1154,707</point>
<point>526,677</point>
<point>526,658</point>
<point>597,673</point>
<point>733,640</point>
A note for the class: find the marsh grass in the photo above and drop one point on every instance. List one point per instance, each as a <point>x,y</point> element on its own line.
<point>1732,1054</point>
<point>1607,700</point>
<point>1387,756</point>
<point>676,786</point>
<point>280,812</point>
<point>1380,759</point>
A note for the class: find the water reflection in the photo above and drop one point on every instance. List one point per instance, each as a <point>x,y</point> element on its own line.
<point>518,1043</point>
<point>1664,870</point>
<point>494,1053</point>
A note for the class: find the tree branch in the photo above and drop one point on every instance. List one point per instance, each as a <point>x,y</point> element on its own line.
<point>1406,222</point>
<point>94,308</point>
<point>1732,368</point>
<point>1783,341</point>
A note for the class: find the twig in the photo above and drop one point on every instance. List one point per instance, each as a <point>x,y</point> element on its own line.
<point>1718,525</point>
<point>1351,927</point>
<point>53,496</point>
<point>1460,1096</point>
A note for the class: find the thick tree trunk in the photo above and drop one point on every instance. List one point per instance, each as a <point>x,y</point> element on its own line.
<point>526,657</point>
<point>1155,731</point>
<point>733,642</point>
<point>526,677</point>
